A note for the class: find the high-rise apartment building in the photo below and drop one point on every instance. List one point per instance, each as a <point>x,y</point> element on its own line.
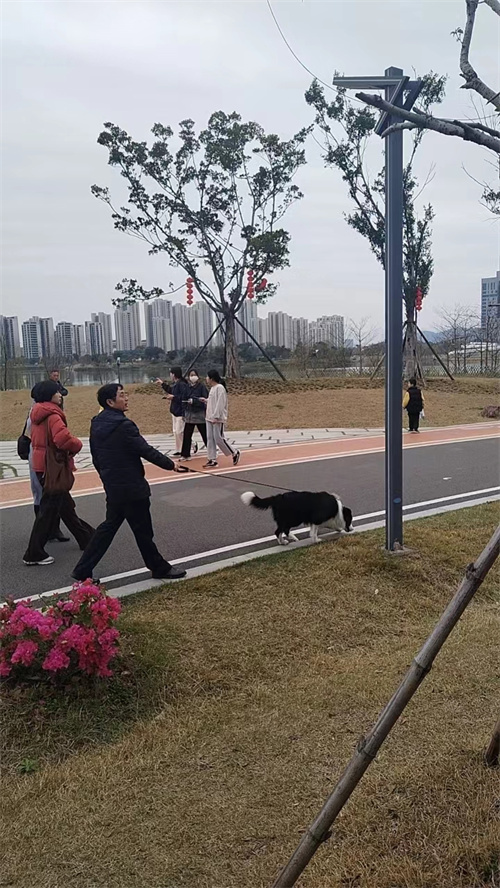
<point>300,331</point>
<point>79,339</point>
<point>38,338</point>
<point>107,332</point>
<point>128,327</point>
<point>157,309</point>
<point>328,329</point>
<point>280,329</point>
<point>9,331</point>
<point>203,322</point>
<point>65,339</point>
<point>248,317</point>
<point>490,304</point>
<point>94,339</point>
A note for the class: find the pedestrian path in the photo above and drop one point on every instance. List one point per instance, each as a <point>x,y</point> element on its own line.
<point>11,467</point>
<point>265,452</point>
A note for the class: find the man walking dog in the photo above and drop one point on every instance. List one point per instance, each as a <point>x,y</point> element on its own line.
<point>117,449</point>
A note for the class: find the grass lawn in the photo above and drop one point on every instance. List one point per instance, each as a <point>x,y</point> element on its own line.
<point>240,697</point>
<point>267,404</point>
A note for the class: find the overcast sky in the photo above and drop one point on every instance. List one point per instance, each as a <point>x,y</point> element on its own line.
<point>68,66</point>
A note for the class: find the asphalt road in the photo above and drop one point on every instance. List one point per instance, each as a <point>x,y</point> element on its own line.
<point>204,514</point>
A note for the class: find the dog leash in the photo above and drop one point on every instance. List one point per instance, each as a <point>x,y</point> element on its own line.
<point>186,470</point>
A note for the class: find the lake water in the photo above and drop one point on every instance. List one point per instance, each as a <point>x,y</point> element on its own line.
<point>26,377</point>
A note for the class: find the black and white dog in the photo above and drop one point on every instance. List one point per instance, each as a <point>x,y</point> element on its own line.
<point>301,507</point>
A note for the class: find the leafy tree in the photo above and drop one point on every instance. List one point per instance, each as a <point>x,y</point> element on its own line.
<point>213,206</point>
<point>346,128</point>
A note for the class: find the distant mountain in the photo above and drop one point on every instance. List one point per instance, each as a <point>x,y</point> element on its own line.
<point>432,336</point>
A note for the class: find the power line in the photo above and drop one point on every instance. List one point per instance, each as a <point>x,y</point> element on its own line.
<point>301,63</point>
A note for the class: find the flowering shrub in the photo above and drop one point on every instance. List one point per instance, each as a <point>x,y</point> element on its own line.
<point>76,634</point>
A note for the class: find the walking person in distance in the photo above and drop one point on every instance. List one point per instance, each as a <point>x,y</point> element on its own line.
<point>194,413</point>
<point>216,419</point>
<point>52,450</point>
<point>117,449</point>
<point>54,376</point>
<point>177,393</point>
<point>413,402</point>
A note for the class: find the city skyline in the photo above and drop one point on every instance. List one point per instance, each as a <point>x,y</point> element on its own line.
<point>174,326</point>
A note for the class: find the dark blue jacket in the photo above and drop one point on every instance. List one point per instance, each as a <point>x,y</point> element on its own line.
<point>180,391</point>
<point>117,449</point>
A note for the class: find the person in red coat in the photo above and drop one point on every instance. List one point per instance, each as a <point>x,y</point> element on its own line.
<point>50,429</point>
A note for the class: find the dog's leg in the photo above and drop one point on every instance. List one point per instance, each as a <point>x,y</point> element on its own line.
<point>314,533</point>
<point>282,540</point>
<point>292,538</point>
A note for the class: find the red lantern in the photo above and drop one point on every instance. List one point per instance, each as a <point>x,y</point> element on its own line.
<point>419,299</point>
<point>189,290</point>
<point>262,285</point>
<point>250,285</point>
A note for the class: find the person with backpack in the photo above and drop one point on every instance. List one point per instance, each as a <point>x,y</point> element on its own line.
<point>413,403</point>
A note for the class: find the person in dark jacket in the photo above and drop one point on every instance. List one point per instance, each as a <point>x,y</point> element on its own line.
<point>54,377</point>
<point>117,448</point>
<point>194,414</point>
<point>177,393</point>
<point>413,402</point>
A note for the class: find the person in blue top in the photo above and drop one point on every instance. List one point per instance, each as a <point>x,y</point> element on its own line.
<point>177,393</point>
<point>117,449</point>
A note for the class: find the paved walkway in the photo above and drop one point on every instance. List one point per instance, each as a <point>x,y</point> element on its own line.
<point>263,452</point>
<point>13,467</point>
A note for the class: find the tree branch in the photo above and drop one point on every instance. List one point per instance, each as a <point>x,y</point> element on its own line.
<point>470,75</point>
<point>415,120</point>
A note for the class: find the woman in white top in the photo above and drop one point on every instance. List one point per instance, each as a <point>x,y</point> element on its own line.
<point>216,417</point>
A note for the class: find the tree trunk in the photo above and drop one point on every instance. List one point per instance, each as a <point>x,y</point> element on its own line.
<point>411,363</point>
<point>232,358</point>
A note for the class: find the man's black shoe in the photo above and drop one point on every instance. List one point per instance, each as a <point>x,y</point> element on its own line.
<point>173,574</point>
<point>59,539</point>
<point>95,580</point>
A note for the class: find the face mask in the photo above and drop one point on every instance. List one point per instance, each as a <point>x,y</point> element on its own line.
<point>193,379</point>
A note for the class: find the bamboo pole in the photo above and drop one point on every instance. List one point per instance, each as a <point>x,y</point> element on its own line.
<point>368,747</point>
<point>492,754</point>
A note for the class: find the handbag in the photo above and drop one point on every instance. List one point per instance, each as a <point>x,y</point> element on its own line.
<point>23,444</point>
<point>59,477</point>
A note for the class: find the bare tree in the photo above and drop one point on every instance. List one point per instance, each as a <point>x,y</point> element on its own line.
<point>467,130</point>
<point>456,332</point>
<point>362,332</point>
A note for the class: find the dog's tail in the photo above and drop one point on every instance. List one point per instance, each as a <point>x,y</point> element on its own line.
<point>250,499</point>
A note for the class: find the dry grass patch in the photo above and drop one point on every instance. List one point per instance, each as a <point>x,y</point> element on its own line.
<point>272,404</point>
<point>251,688</point>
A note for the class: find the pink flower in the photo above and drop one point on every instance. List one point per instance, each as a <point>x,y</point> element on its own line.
<point>55,660</point>
<point>24,653</point>
<point>5,669</point>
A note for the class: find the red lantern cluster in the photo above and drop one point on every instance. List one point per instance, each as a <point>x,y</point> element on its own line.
<point>418,299</point>
<point>189,291</point>
<point>262,285</point>
<point>250,284</point>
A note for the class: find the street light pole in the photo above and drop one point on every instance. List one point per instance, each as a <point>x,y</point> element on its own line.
<point>395,86</point>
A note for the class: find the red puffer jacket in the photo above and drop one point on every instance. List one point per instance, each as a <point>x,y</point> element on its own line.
<point>51,416</point>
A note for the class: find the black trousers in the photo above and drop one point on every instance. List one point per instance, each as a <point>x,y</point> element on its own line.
<point>189,428</point>
<point>137,513</point>
<point>52,507</point>
<point>413,420</point>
